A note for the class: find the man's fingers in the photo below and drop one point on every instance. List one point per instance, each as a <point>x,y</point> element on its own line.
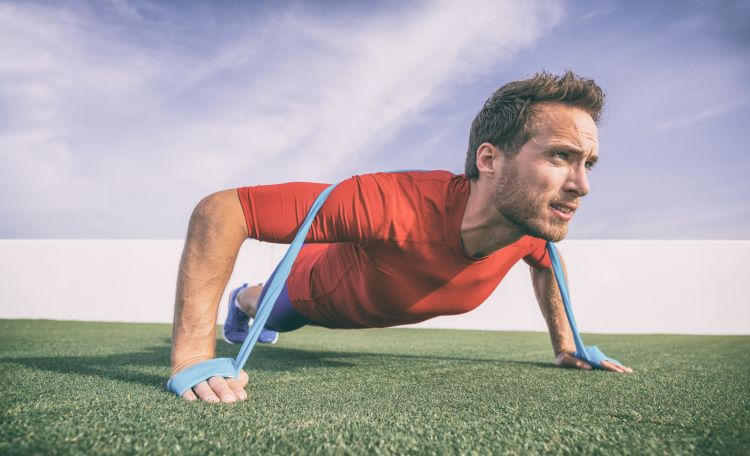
<point>238,386</point>
<point>241,379</point>
<point>189,395</point>
<point>616,367</point>
<point>238,391</point>
<point>205,392</point>
<point>220,387</point>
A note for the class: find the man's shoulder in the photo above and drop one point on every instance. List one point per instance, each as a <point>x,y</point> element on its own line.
<point>416,203</point>
<point>416,187</point>
<point>413,178</point>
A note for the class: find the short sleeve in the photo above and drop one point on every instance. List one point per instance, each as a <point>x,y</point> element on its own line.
<point>538,256</point>
<point>353,212</point>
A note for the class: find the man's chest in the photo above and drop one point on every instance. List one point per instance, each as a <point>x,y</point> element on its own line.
<point>423,278</point>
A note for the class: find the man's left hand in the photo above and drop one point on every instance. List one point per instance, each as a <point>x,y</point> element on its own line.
<point>568,360</point>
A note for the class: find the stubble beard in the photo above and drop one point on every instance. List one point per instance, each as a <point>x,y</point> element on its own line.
<point>527,211</point>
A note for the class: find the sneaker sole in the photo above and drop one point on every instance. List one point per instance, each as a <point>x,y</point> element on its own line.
<point>273,342</point>
<point>275,339</point>
<point>227,340</point>
<point>232,296</point>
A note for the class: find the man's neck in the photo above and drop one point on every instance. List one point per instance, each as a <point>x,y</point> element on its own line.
<point>483,229</point>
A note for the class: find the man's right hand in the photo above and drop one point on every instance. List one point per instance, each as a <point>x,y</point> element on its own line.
<point>216,232</point>
<point>219,389</point>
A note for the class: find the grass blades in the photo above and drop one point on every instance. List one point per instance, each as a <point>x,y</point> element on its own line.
<point>98,388</point>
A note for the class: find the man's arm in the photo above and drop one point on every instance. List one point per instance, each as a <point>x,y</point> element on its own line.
<point>216,231</point>
<point>561,335</point>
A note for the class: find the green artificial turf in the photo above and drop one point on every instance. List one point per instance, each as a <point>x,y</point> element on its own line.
<point>70,387</point>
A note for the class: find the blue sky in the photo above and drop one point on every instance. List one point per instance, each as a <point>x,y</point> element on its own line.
<point>117,117</point>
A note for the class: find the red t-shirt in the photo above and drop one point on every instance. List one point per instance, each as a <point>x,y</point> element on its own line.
<point>384,249</point>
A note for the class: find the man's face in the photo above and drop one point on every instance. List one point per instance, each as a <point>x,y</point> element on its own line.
<point>541,187</point>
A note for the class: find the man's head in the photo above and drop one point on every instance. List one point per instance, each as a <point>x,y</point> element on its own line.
<point>534,142</point>
<point>507,117</point>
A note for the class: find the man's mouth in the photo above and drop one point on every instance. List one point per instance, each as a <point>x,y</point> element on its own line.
<point>564,211</point>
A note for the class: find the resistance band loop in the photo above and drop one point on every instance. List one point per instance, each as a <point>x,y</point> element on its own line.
<point>592,354</point>
<point>227,367</point>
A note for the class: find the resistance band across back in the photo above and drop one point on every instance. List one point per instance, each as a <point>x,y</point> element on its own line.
<point>227,367</point>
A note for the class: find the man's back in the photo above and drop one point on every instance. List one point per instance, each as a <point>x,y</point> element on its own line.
<point>385,248</point>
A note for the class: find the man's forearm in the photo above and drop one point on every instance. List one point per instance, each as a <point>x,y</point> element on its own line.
<point>216,232</point>
<point>551,305</point>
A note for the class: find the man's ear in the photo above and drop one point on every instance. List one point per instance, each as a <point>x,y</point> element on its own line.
<point>487,157</point>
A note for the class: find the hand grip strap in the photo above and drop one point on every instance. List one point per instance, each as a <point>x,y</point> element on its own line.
<point>226,367</point>
<point>191,376</point>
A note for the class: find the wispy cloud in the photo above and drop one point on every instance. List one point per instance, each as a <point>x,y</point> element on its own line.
<point>725,219</point>
<point>114,109</point>
<point>700,115</point>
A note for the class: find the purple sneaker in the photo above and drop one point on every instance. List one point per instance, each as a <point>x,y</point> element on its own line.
<point>236,326</point>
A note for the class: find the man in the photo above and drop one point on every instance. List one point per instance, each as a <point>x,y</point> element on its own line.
<point>396,248</point>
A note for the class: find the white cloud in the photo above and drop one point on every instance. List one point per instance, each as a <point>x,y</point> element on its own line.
<point>123,122</point>
<point>700,115</point>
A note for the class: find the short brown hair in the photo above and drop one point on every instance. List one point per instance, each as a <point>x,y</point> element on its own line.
<point>506,119</point>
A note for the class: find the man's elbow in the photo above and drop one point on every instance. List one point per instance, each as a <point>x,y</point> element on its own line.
<point>207,208</point>
<point>222,207</point>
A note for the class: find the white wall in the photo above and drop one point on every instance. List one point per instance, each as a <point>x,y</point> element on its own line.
<point>616,286</point>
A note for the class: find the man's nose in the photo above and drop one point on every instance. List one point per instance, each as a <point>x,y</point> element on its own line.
<point>578,181</point>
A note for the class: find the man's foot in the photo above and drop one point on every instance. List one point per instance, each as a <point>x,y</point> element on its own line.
<point>236,326</point>
<point>268,336</point>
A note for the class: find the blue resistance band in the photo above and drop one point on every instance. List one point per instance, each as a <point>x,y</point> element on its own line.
<point>227,367</point>
<point>230,368</point>
<point>591,354</point>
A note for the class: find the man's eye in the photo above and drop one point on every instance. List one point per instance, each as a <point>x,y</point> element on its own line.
<point>590,166</point>
<point>563,155</point>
